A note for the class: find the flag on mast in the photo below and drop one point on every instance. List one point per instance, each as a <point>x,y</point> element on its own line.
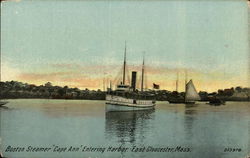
<point>156,86</point>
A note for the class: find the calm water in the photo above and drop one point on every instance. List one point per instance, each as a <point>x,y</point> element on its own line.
<point>206,130</point>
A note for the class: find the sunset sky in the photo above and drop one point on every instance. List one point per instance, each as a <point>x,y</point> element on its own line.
<point>79,43</point>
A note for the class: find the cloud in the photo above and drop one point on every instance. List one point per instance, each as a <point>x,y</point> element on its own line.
<point>8,72</point>
<point>43,76</point>
<point>93,76</point>
<point>70,79</point>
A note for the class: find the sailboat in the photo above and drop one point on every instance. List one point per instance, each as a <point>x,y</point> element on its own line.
<point>191,94</point>
<point>126,97</point>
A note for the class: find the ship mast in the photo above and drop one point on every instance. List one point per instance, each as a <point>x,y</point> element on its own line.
<point>142,80</point>
<point>124,65</point>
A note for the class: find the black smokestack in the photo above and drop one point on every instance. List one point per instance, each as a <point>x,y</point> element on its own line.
<point>133,83</point>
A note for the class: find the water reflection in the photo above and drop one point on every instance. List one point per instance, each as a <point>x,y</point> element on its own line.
<point>76,108</point>
<point>192,118</point>
<point>189,118</point>
<point>248,137</point>
<point>128,127</point>
<point>206,129</point>
<point>4,107</point>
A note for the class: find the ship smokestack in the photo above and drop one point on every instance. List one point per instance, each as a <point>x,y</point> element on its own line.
<point>133,83</point>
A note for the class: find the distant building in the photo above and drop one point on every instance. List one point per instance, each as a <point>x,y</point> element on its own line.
<point>228,92</point>
<point>240,96</point>
<point>48,84</point>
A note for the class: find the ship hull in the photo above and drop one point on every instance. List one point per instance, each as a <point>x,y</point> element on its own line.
<point>111,107</point>
<point>117,103</point>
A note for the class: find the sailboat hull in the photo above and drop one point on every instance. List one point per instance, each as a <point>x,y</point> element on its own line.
<point>180,102</point>
<point>176,102</point>
<point>190,102</point>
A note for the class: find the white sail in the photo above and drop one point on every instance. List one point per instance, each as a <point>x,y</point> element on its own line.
<point>191,93</point>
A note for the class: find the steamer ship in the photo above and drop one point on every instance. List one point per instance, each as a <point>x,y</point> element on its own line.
<point>126,97</point>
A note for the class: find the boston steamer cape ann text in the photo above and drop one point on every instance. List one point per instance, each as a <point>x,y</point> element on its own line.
<point>82,148</point>
<point>29,149</point>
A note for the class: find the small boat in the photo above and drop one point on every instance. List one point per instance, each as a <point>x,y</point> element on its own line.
<point>3,103</point>
<point>176,98</point>
<point>127,97</point>
<point>176,101</point>
<point>216,102</point>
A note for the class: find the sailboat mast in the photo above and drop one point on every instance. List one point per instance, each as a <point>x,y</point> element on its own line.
<point>124,65</point>
<point>186,78</point>
<point>104,84</point>
<point>185,84</point>
<point>110,85</point>
<point>177,81</point>
<point>142,80</point>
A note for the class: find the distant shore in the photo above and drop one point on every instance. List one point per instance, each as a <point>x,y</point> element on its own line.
<point>104,99</point>
<point>19,90</point>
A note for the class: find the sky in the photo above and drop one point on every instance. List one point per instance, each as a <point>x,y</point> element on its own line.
<point>81,43</point>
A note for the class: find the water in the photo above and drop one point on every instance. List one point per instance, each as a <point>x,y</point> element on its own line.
<point>205,130</point>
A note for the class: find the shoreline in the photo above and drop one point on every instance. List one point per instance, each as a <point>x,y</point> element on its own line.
<point>104,99</point>
<point>19,90</point>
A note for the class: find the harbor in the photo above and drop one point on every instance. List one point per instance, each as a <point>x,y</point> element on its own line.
<point>125,79</point>
<point>206,130</point>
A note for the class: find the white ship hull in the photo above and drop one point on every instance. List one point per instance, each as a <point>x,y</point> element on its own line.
<point>117,103</point>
